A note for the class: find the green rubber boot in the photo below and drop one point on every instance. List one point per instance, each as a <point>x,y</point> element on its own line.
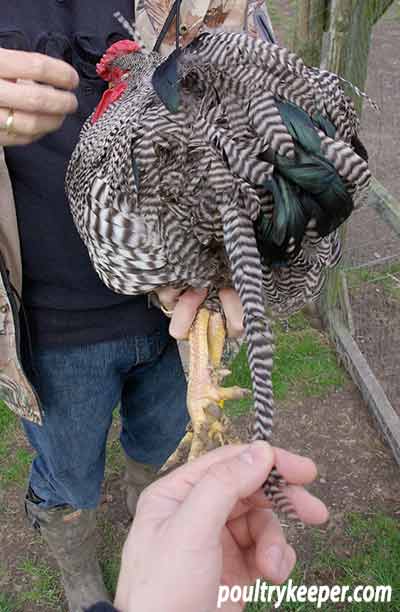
<point>137,477</point>
<point>70,536</point>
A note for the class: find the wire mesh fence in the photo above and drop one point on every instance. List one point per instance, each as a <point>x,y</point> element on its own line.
<point>360,39</point>
<point>371,306</point>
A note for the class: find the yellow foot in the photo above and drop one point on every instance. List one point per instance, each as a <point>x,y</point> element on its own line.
<point>205,395</point>
<point>180,455</point>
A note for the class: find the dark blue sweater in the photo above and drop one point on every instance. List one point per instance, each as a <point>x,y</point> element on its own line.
<point>66,301</point>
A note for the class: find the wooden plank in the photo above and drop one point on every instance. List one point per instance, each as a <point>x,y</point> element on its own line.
<point>385,204</point>
<point>371,390</point>
<point>346,51</point>
<point>339,31</point>
<point>346,305</point>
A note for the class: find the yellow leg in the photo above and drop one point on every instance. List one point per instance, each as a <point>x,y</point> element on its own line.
<point>216,339</point>
<point>205,396</point>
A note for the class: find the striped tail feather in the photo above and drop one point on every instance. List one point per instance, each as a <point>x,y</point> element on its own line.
<point>241,248</point>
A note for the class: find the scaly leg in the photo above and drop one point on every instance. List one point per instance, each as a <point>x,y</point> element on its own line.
<point>205,395</point>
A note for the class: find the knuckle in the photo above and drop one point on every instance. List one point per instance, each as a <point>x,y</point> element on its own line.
<point>187,298</point>
<point>38,66</point>
<point>34,99</point>
<point>191,299</point>
<point>223,474</point>
<point>236,328</point>
<point>33,125</point>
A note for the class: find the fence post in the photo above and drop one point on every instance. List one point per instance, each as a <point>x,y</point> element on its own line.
<point>350,30</point>
<point>311,17</point>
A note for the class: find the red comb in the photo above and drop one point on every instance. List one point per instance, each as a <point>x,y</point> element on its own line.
<point>122,47</point>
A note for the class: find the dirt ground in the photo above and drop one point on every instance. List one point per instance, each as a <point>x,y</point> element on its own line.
<point>356,469</point>
<point>356,474</point>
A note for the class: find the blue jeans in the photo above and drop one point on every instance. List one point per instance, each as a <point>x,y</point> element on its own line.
<point>79,388</point>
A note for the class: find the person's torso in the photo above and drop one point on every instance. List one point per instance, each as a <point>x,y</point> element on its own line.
<point>58,274</point>
<point>53,254</point>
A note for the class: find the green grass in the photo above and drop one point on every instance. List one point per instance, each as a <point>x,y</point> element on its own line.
<point>17,468</point>
<point>387,279</point>
<point>14,461</point>
<point>304,366</point>
<point>7,420</point>
<point>110,556</point>
<point>44,588</point>
<point>6,604</point>
<point>115,455</point>
<point>110,568</point>
<point>374,559</point>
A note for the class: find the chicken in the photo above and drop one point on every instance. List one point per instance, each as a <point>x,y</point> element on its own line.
<point>231,163</point>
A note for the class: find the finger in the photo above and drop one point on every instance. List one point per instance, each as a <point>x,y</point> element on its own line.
<point>219,490</point>
<point>165,495</point>
<point>37,67</point>
<point>233,312</point>
<point>295,468</point>
<point>174,487</point>
<point>14,140</point>
<point>276,567</point>
<point>310,509</point>
<point>273,557</point>
<point>189,474</point>
<point>34,97</point>
<point>31,125</point>
<point>168,297</point>
<point>185,312</point>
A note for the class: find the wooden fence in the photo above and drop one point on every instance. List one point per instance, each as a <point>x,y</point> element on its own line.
<point>336,34</point>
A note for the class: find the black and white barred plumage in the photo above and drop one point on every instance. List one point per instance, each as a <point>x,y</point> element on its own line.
<point>162,198</point>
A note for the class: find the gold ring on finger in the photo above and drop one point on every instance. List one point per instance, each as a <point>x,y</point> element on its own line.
<point>167,312</point>
<point>10,123</point>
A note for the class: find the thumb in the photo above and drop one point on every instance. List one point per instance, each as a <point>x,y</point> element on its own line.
<point>209,504</point>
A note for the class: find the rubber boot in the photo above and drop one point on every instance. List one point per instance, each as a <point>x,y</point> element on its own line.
<point>137,477</point>
<point>70,536</point>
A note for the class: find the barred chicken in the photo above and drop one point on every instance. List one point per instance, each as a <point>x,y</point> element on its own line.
<point>230,163</point>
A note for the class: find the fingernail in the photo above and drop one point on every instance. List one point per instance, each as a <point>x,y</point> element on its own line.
<point>247,457</point>
<point>275,557</point>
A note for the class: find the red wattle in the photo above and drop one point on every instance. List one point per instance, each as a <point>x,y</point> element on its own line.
<point>108,97</point>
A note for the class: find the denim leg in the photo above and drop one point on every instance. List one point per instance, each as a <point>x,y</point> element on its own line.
<point>153,403</point>
<point>79,387</point>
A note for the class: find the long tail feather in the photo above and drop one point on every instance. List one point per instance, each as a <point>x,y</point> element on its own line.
<point>241,247</point>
